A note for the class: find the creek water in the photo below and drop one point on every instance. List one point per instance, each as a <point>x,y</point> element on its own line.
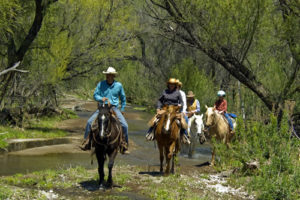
<point>143,153</point>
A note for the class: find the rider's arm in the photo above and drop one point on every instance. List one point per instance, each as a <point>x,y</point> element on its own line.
<point>97,95</point>
<point>198,106</point>
<point>184,102</point>
<point>180,100</point>
<point>123,98</point>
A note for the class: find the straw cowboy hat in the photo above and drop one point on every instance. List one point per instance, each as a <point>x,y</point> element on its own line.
<point>110,70</point>
<point>179,83</point>
<point>172,81</point>
<point>190,94</point>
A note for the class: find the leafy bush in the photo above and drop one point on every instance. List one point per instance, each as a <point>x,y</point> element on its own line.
<point>278,174</point>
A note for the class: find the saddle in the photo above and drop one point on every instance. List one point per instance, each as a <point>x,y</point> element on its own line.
<point>231,116</point>
<point>180,120</point>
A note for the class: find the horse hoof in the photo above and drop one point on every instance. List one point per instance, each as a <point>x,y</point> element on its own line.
<point>101,187</point>
<point>109,185</point>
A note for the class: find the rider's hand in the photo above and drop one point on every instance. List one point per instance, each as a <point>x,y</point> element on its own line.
<point>157,111</point>
<point>123,113</point>
<point>104,99</point>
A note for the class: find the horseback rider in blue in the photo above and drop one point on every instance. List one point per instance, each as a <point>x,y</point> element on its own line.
<point>109,90</point>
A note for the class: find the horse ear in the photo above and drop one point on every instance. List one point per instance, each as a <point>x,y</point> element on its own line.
<point>206,106</point>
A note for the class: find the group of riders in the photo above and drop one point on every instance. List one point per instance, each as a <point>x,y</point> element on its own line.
<point>112,92</point>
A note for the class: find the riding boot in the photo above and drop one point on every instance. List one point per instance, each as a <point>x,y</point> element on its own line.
<point>184,137</point>
<point>150,136</point>
<point>124,145</point>
<point>87,143</point>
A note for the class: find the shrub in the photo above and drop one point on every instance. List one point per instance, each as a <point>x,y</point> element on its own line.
<point>278,175</point>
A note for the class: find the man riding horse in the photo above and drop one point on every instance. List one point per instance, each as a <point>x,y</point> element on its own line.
<point>193,108</point>
<point>170,96</point>
<point>108,90</point>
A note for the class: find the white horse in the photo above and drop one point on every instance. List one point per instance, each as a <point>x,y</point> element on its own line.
<point>195,130</point>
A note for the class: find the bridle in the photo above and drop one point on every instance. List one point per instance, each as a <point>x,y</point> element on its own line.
<point>109,126</point>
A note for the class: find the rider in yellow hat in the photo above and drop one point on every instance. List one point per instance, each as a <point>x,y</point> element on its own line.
<point>170,96</point>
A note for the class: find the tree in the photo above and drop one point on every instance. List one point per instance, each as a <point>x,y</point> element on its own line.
<point>229,33</point>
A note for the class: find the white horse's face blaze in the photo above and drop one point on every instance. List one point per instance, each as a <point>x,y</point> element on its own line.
<point>210,115</point>
<point>199,124</point>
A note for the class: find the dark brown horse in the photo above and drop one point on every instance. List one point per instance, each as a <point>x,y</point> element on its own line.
<point>107,142</point>
<point>167,135</point>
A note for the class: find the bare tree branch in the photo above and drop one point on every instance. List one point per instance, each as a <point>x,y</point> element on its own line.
<point>13,68</point>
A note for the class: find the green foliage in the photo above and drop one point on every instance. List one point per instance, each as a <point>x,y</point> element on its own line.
<point>195,80</point>
<point>278,174</point>
<point>137,84</point>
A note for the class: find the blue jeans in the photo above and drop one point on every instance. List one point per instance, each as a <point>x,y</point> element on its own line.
<point>229,120</point>
<point>119,116</point>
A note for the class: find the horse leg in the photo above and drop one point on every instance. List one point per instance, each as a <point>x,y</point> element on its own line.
<point>173,163</point>
<point>169,155</point>
<point>177,148</point>
<point>101,159</point>
<point>112,157</point>
<point>191,146</point>
<point>212,162</point>
<point>161,156</point>
<point>167,161</point>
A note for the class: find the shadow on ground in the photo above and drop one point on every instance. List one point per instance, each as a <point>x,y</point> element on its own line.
<point>153,173</point>
<point>90,185</point>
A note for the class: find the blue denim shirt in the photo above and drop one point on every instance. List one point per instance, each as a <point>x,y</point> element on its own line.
<point>113,92</point>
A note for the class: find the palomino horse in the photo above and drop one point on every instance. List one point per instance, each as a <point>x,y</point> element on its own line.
<point>167,135</point>
<point>217,128</point>
<point>106,141</point>
<point>195,130</point>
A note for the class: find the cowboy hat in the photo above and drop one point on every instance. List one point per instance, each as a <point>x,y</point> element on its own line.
<point>110,70</point>
<point>190,94</point>
<point>172,81</point>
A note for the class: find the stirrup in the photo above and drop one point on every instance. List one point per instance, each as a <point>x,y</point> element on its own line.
<point>86,145</point>
<point>150,136</point>
<point>124,148</point>
<point>185,139</point>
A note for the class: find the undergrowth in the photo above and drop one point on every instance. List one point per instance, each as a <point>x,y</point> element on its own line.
<point>278,173</point>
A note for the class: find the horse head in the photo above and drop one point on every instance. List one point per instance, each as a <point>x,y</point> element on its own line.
<point>210,116</point>
<point>103,118</point>
<point>169,116</point>
<point>199,124</point>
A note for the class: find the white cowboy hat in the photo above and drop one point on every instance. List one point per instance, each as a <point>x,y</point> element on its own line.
<point>110,70</point>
